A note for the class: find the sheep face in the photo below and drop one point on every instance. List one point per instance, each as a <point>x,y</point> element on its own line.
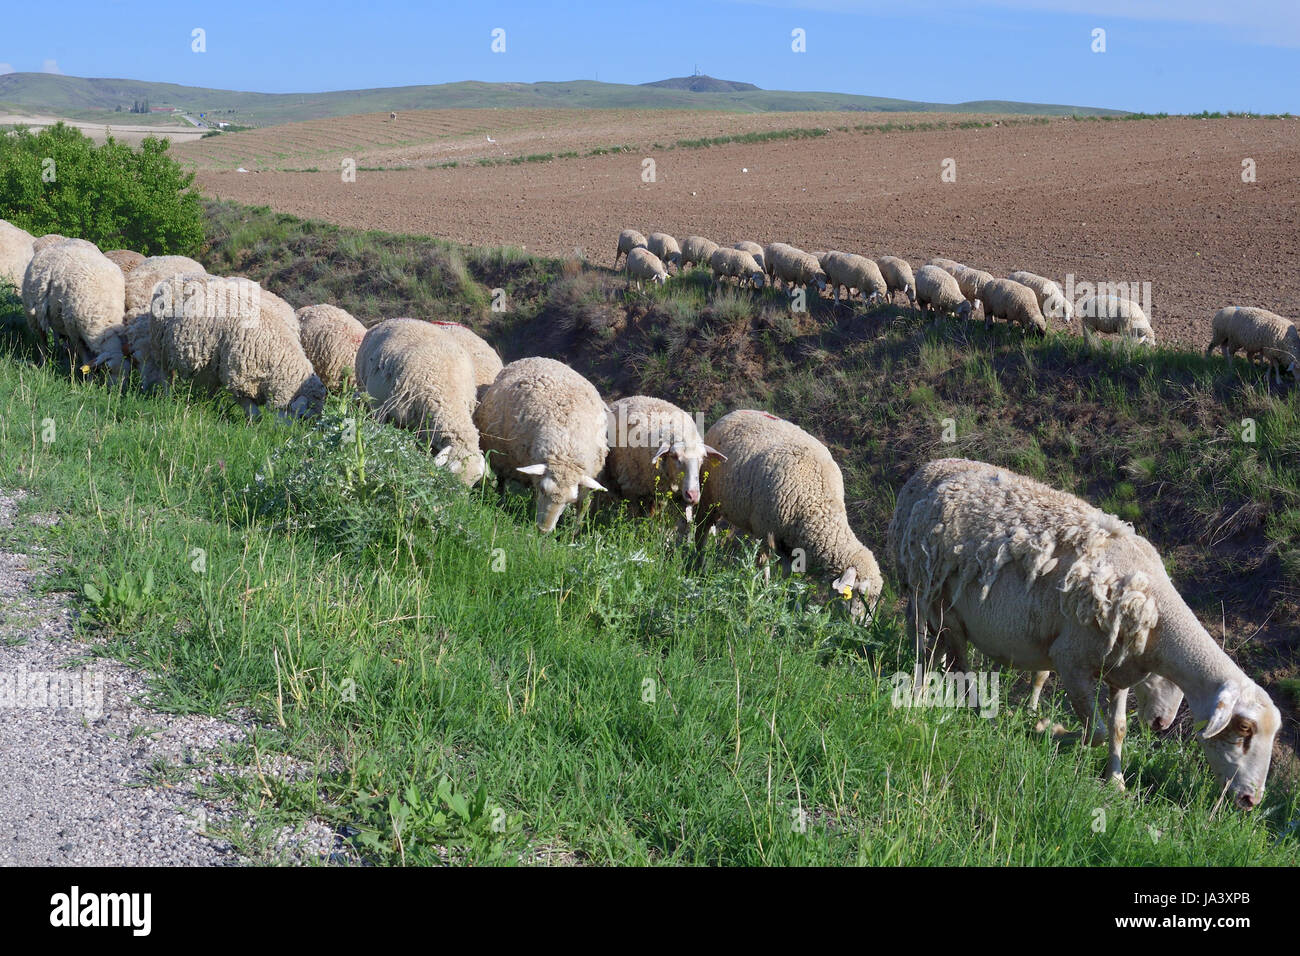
<point>468,468</point>
<point>964,311</point>
<point>861,580</point>
<point>759,279</point>
<point>555,491</point>
<point>1158,700</point>
<point>684,464</point>
<point>309,400</point>
<point>1238,740</point>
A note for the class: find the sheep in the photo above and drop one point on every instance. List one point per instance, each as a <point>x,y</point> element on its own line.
<point>898,277</point>
<point>542,419</point>
<point>420,378</point>
<point>1259,332</point>
<point>223,333</point>
<point>141,284</point>
<point>15,253</point>
<point>125,259</point>
<point>1111,314</point>
<point>281,309</point>
<point>72,290</point>
<point>755,250</point>
<point>781,485</point>
<point>854,272</point>
<point>644,264</point>
<point>1037,578</point>
<point>487,363</point>
<point>628,240</point>
<point>738,264</point>
<point>1051,300</point>
<point>937,291</point>
<point>665,247</point>
<point>47,240</point>
<point>970,281</point>
<point>330,338</point>
<point>646,431</point>
<point>794,267</point>
<point>950,266</point>
<point>1158,699</point>
<point>697,250</point>
<point>1002,298</point>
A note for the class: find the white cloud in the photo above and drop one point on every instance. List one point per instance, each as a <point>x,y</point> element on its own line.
<point>50,66</point>
<point>6,68</point>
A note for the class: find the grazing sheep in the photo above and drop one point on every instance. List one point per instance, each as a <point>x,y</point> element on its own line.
<point>781,485</point>
<point>15,253</point>
<point>854,272</point>
<point>125,259</point>
<point>1037,579</point>
<point>665,247</point>
<point>628,240</point>
<point>1259,332</point>
<point>646,432</point>
<point>1111,314</point>
<point>737,264</point>
<point>697,250</point>
<point>542,419</point>
<point>73,291</point>
<point>141,283</point>
<point>1051,300</point>
<point>937,291</point>
<point>1004,299</point>
<point>950,266</point>
<point>898,277</point>
<point>487,363</point>
<point>421,379</point>
<point>222,333</point>
<point>970,281</point>
<point>282,310</point>
<point>794,267</point>
<point>330,338</point>
<point>755,250</point>
<point>644,264</point>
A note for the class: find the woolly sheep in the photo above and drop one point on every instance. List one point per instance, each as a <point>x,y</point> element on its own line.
<point>542,419</point>
<point>1051,300</point>
<point>698,250</point>
<point>854,272</point>
<point>15,253</point>
<point>737,264</point>
<point>420,378</point>
<point>628,240</point>
<point>330,338</point>
<point>1259,332</point>
<point>950,266</point>
<point>794,267</point>
<point>1002,298</point>
<point>665,247</point>
<point>755,250</point>
<point>141,284</point>
<point>223,333</point>
<point>898,277</point>
<point>1111,314</point>
<point>781,485</point>
<point>1037,578</point>
<point>645,432</point>
<point>125,259</point>
<point>644,264</point>
<point>937,291</point>
<point>487,363</point>
<point>73,291</point>
<point>970,281</point>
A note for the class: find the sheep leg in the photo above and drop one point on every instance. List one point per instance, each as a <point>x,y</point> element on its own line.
<point>1118,730</point>
<point>1040,678</point>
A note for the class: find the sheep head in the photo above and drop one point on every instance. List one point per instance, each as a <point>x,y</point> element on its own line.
<point>861,579</point>
<point>469,468</point>
<point>556,488</point>
<point>684,464</point>
<point>1238,739</point>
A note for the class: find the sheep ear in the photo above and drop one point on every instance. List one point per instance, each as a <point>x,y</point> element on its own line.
<point>664,449</point>
<point>539,469</point>
<point>713,452</point>
<point>589,482</point>
<point>1224,704</point>
<point>442,457</point>
<point>845,582</point>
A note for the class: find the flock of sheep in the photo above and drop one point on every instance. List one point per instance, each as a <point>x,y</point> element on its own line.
<point>946,287</point>
<point>1033,577</point>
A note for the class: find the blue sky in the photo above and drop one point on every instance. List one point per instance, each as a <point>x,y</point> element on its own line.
<point>1176,56</point>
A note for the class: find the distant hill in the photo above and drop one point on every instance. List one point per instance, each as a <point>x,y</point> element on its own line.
<point>702,84</point>
<point>91,99</point>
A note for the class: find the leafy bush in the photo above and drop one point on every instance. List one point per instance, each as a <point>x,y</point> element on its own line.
<point>58,180</point>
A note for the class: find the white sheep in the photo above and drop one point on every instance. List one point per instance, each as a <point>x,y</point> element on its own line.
<point>937,291</point>
<point>487,363</point>
<point>665,247</point>
<point>542,419</point>
<point>1260,333</point>
<point>1004,299</point>
<point>16,251</point>
<point>74,292</point>
<point>898,277</point>
<point>755,250</point>
<point>794,267</point>
<point>737,264</point>
<point>643,264</point>
<point>330,338</point>
<point>1051,299</point>
<point>628,240</point>
<point>141,283</point>
<point>223,333</point>
<point>950,266</point>
<point>697,250</point>
<point>1037,578</point>
<point>654,446</point>
<point>420,378</point>
<point>854,272</point>
<point>1111,314</point>
<point>971,281</point>
<point>781,485</point>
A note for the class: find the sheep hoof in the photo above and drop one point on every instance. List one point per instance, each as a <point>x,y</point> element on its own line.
<point>1116,779</point>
